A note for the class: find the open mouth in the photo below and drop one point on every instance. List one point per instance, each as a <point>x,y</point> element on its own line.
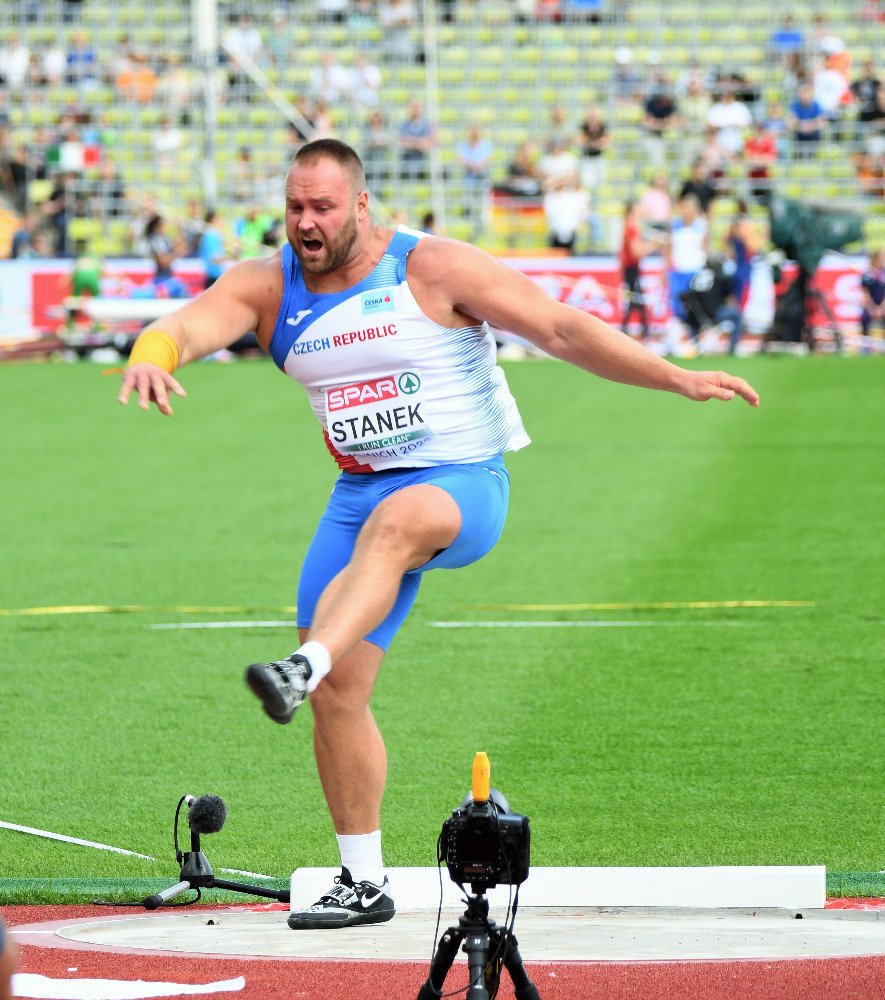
<point>312,246</point>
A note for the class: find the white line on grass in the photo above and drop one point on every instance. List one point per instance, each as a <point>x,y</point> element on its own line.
<point>594,624</point>
<point>105,847</point>
<point>644,606</point>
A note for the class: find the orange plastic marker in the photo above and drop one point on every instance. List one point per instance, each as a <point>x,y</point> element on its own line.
<point>482,776</point>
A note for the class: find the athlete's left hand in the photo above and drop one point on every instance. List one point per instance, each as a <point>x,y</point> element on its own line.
<point>702,386</point>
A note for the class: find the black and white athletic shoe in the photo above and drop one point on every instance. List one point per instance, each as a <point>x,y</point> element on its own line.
<point>281,685</point>
<point>345,904</point>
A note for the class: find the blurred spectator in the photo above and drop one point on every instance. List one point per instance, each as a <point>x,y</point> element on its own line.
<point>558,163</point>
<point>362,14</point>
<point>211,248</point>
<point>53,64</point>
<point>795,72</point>
<point>559,131</point>
<point>243,44</point>
<point>82,63</point>
<point>865,90</point>
<point>58,208</point>
<point>807,121</point>
<point>824,39</point>
<point>145,211</point>
<point>731,118</point>
<point>655,204</point>
<point>626,83</point>
<point>760,152</point>
<point>162,251</point>
<point>167,140</point>
<point>398,20</point>
<point>177,88</point>
<point>428,224</point>
<point>15,172</point>
<point>875,128</point>
<point>279,44</point>
<point>686,251</point>
<point>244,175</point>
<point>694,75</point>
<point>830,91</point>
<point>334,11</point>
<point>416,138</point>
<point>635,247</point>
<point>365,82</point>
<point>15,61</point>
<point>566,207</point>
<point>775,121</point>
<point>873,294</point>
<point>475,157</point>
<point>376,150</point>
<point>593,141</point>
<point>330,81</point>
<point>700,185</point>
<point>786,38</point>
<point>524,176</point>
<point>870,173</point>
<point>71,10</point>
<point>251,231</point>
<point>191,229</point>
<point>107,192</point>
<point>660,117</point>
<point>694,109</point>
<point>136,81</point>
<point>742,244</point>
<point>23,237</point>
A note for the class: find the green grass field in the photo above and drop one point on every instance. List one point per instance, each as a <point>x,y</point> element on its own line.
<point>704,735</point>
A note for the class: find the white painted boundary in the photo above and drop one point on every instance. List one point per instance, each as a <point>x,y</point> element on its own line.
<point>778,886</point>
<point>64,838</point>
<point>584,624</point>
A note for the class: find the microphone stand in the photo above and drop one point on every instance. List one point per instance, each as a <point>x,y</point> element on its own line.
<point>196,873</point>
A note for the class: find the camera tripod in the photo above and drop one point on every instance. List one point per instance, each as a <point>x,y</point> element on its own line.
<point>479,935</point>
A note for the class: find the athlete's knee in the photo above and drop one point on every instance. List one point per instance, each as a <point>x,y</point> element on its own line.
<point>404,536</point>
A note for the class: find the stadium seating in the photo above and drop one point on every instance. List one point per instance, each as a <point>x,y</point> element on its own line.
<point>493,63</point>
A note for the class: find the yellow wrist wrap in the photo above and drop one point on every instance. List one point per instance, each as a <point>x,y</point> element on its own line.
<point>156,348</point>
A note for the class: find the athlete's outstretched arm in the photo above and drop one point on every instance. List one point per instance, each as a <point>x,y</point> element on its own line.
<point>481,286</point>
<point>217,317</point>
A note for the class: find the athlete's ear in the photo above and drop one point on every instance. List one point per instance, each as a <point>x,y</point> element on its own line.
<point>362,204</point>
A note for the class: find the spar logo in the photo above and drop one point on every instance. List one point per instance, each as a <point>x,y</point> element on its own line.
<point>361,393</point>
<point>378,301</point>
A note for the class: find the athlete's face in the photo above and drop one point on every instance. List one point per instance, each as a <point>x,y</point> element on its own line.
<point>322,215</point>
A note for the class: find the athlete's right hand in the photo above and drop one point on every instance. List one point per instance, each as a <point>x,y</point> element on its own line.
<point>152,384</point>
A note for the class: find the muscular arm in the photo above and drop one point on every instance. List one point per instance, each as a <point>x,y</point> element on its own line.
<point>246,297</point>
<point>477,285</point>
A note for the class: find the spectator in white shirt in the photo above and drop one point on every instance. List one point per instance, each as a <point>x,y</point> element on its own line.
<point>14,61</point>
<point>731,118</point>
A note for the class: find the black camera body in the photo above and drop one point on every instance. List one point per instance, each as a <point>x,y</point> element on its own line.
<point>485,844</point>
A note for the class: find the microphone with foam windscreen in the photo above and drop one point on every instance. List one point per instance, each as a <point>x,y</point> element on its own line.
<point>207,814</point>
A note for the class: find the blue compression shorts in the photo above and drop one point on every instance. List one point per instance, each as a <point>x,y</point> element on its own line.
<point>480,490</point>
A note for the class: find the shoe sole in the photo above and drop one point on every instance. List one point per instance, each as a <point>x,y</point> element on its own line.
<point>265,690</point>
<point>311,922</point>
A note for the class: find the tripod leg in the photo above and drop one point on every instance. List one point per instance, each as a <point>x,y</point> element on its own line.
<point>445,954</point>
<point>158,899</point>
<point>523,987</point>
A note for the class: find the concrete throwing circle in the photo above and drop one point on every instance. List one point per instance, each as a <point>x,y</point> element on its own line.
<point>544,934</point>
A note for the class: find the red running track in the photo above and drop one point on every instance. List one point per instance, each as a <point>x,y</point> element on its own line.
<point>299,979</point>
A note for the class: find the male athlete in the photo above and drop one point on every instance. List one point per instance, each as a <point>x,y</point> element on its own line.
<point>388,331</point>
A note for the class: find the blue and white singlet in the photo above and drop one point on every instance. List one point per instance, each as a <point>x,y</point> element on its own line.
<point>391,388</point>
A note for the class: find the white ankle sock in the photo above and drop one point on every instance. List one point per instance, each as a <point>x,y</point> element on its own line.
<point>320,662</point>
<point>361,856</point>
